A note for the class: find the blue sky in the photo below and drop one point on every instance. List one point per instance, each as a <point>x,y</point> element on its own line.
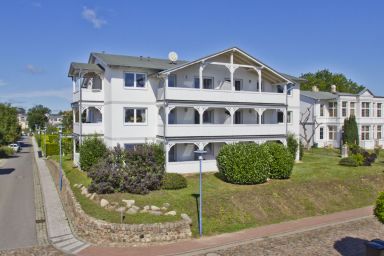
<point>40,38</point>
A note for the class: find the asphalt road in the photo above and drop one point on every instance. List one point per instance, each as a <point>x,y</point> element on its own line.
<point>17,208</point>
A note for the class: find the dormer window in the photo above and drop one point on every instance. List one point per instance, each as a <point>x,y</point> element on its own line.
<point>135,80</point>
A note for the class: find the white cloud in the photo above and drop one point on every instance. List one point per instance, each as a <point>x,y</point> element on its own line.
<point>33,69</point>
<point>2,83</point>
<point>64,93</point>
<point>91,16</point>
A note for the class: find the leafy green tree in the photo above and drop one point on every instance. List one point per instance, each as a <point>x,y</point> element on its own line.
<point>10,129</point>
<point>37,116</point>
<point>91,151</point>
<point>323,79</point>
<point>350,132</point>
<point>67,121</point>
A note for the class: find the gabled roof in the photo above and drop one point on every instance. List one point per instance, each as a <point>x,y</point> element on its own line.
<point>137,62</point>
<point>319,95</point>
<point>75,68</point>
<point>366,90</point>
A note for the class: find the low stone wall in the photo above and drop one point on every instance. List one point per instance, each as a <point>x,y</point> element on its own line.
<point>105,233</point>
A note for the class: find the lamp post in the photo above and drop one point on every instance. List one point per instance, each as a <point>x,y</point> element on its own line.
<point>200,153</point>
<point>61,156</point>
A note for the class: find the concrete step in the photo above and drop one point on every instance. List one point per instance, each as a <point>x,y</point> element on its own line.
<point>78,249</point>
<point>66,242</point>
<point>72,246</point>
<point>61,238</point>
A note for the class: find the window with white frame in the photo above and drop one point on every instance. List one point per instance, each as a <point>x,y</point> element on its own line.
<point>135,115</point>
<point>378,134</point>
<point>352,109</point>
<point>379,107</point>
<point>321,109</point>
<point>172,81</point>
<point>365,132</point>
<point>332,132</point>
<point>129,146</point>
<point>289,117</point>
<point>135,80</point>
<point>365,109</point>
<point>332,109</point>
<point>344,108</point>
<point>280,117</point>
<point>321,133</point>
<point>207,82</point>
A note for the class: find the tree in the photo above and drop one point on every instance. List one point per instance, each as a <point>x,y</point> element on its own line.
<point>91,151</point>
<point>306,121</point>
<point>10,129</point>
<point>67,121</point>
<point>350,131</point>
<point>37,116</point>
<point>323,79</point>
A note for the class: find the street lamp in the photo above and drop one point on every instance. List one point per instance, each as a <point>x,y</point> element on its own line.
<point>200,153</point>
<point>61,160</point>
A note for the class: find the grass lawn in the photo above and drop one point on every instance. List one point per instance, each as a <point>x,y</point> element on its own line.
<point>317,186</point>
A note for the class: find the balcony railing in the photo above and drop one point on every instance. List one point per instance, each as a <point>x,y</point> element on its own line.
<point>88,128</point>
<point>88,95</point>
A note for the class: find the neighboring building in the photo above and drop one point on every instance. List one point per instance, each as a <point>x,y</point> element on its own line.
<point>55,119</point>
<point>327,111</point>
<point>226,97</point>
<point>22,118</point>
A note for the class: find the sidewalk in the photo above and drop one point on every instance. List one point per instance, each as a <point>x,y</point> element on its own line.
<point>59,232</point>
<point>204,245</point>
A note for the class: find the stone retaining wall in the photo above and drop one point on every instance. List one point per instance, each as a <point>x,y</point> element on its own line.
<point>105,233</point>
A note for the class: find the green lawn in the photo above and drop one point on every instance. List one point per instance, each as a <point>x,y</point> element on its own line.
<point>317,186</point>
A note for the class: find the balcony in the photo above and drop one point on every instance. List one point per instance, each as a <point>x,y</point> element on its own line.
<point>88,95</point>
<point>193,94</point>
<point>88,128</point>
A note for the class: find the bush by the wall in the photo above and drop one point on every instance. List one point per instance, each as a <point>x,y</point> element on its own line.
<point>174,181</point>
<point>244,163</point>
<point>138,171</point>
<point>349,161</point>
<point>379,208</point>
<point>91,151</point>
<point>51,149</point>
<point>6,151</point>
<point>282,161</point>
<point>292,144</point>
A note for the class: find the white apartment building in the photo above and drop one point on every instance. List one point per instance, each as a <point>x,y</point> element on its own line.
<point>225,97</point>
<point>327,111</point>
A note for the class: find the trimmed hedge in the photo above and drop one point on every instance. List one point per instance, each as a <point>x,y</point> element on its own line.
<point>282,160</point>
<point>379,208</point>
<point>174,181</point>
<point>51,149</point>
<point>91,151</point>
<point>244,163</point>
<point>6,151</point>
<point>349,161</point>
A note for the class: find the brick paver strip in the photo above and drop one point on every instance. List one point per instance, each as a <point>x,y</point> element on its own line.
<point>195,246</point>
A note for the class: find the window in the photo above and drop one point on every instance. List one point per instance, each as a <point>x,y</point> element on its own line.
<point>280,89</point>
<point>172,81</point>
<point>131,146</point>
<point>365,109</point>
<point>352,109</point>
<point>321,109</point>
<point>332,108</point>
<point>321,133</point>
<point>332,132</point>
<point>238,117</point>
<point>289,117</point>
<point>365,132</point>
<point>207,82</point>
<point>208,117</point>
<point>135,80</point>
<point>344,108</point>
<point>280,117</point>
<point>238,85</point>
<point>135,115</point>
<point>379,109</point>
<point>379,132</point>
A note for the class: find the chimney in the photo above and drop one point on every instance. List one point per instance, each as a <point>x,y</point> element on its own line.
<point>315,89</point>
<point>333,88</point>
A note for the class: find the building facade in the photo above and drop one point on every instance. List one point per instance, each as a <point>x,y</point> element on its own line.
<point>323,114</point>
<point>226,97</point>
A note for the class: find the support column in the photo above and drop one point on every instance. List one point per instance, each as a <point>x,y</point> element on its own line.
<point>260,111</point>
<point>259,78</point>
<point>232,111</point>
<point>201,111</point>
<point>73,85</point>
<point>202,66</point>
<point>167,148</point>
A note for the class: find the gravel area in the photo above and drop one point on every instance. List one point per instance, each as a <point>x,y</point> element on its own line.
<point>341,239</point>
<point>33,251</point>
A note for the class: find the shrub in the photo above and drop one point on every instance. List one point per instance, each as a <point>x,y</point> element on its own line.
<point>292,144</point>
<point>282,161</point>
<point>349,161</point>
<point>301,150</point>
<point>51,149</point>
<point>135,171</point>
<point>91,150</point>
<point>350,131</point>
<point>364,157</point>
<point>6,151</point>
<point>359,159</point>
<point>377,150</point>
<point>244,163</point>
<point>379,208</point>
<point>174,181</point>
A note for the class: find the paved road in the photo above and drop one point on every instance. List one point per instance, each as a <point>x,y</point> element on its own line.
<point>17,209</point>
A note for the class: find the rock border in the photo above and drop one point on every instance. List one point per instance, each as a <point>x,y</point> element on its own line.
<point>104,233</point>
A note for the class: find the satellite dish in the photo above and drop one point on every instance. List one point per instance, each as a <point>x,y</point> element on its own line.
<point>172,56</point>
